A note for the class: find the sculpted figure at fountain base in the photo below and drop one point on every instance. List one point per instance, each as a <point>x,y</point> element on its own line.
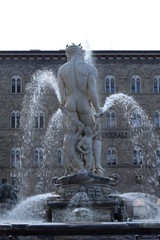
<point>70,154</point>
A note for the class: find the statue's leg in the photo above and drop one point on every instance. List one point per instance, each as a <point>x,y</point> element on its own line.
<point>78,163</point>
<point>72,115</point>
<point>89,161</point>
<point>87,120</point>
<point>97,155</point>
<point>66,162</point>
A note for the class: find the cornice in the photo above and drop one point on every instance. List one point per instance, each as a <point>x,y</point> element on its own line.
<point>96,54</point>
<point>32,55</point>
<point>127,55</point>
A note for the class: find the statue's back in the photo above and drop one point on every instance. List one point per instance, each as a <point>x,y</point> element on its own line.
<point>75,74</point>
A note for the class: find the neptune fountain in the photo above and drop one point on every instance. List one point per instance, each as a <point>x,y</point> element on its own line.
<point>85,201</point>
<point>84,176</point>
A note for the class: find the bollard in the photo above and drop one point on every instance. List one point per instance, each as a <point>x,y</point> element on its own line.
<point>137,237</point>
<point>158,237</point>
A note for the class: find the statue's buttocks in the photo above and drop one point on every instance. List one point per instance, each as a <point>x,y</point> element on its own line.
<point>76,77</point>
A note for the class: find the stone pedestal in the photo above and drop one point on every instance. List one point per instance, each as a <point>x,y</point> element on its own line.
<point>85,197</point>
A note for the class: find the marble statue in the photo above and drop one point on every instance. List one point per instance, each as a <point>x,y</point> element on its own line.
<point>79,100</point>
<point>69,146</point>
<point>84,146</point>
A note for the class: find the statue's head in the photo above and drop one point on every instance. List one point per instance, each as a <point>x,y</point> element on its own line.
<point>74,50</point>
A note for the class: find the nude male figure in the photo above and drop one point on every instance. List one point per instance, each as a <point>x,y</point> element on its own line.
<point>77,85</point>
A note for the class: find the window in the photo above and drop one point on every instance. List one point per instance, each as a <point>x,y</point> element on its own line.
<point>110,119</point>
<point>38,157</point>
<point>110,84</point>
<point>15,157</point>
<point>15,119</point>
<point>39,119</point>
<point>111,156</point>
<point>137,156</point>
<point>59,157</point>
<point>136,120</point>
<point>16,84</point>
<point>156,84</point>
<point>158,156</point>
<point>157,118</point>
<point>135,84</point>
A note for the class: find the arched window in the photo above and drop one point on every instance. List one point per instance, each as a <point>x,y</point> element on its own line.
<point>136,120</point>
<point>15,119</point>
<point>156,84</point>
<point>16,84</point>
<point>137,156</point>
<point>110,84</point>
<point>111,156</point>
<point>59,157</point>
<point>15,155</point>
<point>157,118</point>
<point>135,84</point>
<point>158,156</point>
<point>111,119</point>
<point>39,119</point>
<point>38,157</point>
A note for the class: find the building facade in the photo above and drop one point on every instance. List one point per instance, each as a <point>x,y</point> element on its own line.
<point>31,138</point>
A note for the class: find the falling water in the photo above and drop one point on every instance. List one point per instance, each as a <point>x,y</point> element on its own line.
<point>128,105</point>
<point>150,203</point>
<point>40,95</point>
<point>30,210</point>
<point>53,134</point>
<point>143,135</point>
<point>88,55</point>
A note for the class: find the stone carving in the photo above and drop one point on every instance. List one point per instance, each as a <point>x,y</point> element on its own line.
<point>87,147</point>
<point>84,146</point>
<point>96,187</point>
<point>70,154</point>
<point>77,85</point>
<point>81,199</point>
<point>84,177</point>
<point>94,191</point>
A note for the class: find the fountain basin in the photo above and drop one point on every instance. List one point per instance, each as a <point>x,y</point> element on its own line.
<point>82,229</point>
<point>102,211</point>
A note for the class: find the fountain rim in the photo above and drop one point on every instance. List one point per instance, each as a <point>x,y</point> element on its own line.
<point>79,229</point>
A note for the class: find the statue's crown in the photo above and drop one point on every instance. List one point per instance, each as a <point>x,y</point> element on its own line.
<point>74,49</point>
